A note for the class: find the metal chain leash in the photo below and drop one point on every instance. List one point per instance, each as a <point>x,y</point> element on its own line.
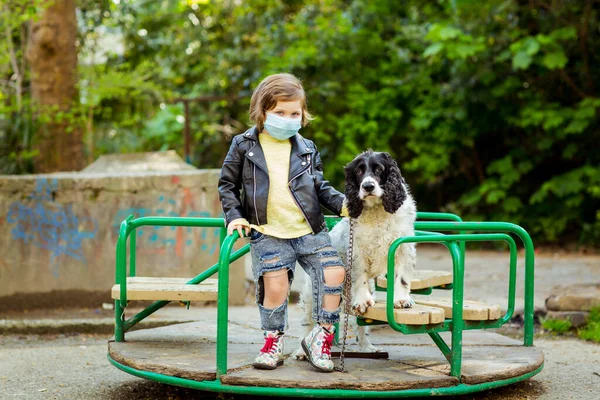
<point>347,295</point>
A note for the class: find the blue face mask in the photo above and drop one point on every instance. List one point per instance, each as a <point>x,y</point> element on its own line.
<point>282,128</point>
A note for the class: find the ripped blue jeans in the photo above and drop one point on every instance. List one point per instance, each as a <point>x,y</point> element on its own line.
<point>314,253</point>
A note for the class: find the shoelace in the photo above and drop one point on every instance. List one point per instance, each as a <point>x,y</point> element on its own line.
<point>327,342</point>
<point>269,344</point>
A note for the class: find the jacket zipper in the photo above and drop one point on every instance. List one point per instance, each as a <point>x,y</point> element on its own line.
<point>296,200</point>
<point>254,194</point>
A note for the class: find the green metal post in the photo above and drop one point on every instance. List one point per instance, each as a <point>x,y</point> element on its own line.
<point>132,251</point>
<point>223,303</point>
<point>120,278</point>
<point>457,310</point>
<point>442,345</point>
<point>119,323</point>
<point>222,235</point>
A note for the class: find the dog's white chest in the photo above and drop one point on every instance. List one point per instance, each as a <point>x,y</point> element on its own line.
<point>373,251</point>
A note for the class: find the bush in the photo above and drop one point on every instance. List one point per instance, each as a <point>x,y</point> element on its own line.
<point>592,330</point>
<point>556,325</point>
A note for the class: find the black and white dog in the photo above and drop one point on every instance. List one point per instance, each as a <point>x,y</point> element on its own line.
<point>379,201</point>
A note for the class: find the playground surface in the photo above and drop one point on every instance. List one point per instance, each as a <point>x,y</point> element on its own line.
<point>74,365</point>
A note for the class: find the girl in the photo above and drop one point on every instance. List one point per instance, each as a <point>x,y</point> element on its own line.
<point>272,187</point>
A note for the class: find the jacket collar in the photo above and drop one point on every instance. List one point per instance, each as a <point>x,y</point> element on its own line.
<point>299,149</point>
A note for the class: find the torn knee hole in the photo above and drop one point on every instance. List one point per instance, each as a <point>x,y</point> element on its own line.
<point>337,297</point>
<point>334,275</point>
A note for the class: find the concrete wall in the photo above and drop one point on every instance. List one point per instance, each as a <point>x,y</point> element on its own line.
<point>58,231</point>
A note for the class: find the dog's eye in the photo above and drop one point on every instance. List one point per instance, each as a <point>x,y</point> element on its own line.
<point>379,170</point>
<point>359,171</point>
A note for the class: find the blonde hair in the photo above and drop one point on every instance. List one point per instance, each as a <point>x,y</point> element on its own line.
<point>274,88</point>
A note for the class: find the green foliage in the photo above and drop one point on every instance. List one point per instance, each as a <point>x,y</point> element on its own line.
<point>17,125</point>
<point>592,330</point>
<point>491,107</point>
<point>556,325</point>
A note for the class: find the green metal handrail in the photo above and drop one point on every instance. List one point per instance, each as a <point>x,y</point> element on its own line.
<point>456,324</point>
<point>421,215</point>
<point>438,216</point>
<point>130,225</point>
<point>425,231</point>
<point>505,227</point>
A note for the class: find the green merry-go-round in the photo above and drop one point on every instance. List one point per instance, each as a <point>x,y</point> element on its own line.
<point>445,349</point>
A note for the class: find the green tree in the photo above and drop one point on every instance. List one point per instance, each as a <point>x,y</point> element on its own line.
<point>490,107</point>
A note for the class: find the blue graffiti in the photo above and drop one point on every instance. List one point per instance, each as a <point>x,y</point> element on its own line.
<point>160,236</point>
<point>42,222</point>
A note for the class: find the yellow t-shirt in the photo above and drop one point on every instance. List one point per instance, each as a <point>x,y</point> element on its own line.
<point>284,218</point>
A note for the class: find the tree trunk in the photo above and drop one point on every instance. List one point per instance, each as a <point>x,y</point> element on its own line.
<point>52,55</point>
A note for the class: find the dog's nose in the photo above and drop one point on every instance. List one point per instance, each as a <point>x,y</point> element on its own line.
<point>368,186</point>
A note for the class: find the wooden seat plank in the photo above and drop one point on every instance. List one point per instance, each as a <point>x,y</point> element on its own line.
<point>170,289</point>
<point>159,280</point>
<point>423,279</point>
<point>495,312</point>
<point>417,315</point>
<point>472,310</point>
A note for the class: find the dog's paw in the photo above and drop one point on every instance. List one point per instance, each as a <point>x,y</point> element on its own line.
<point>404,302</point>
<point>360,307</point>
<point>299,354</point>
<point>368,348</point>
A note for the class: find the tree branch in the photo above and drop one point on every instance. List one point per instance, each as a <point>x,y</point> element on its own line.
<point>552,11</point>
<point>572,84</point>
<point>24,45</point>
<point>583,38</point>
<point>13,56</point>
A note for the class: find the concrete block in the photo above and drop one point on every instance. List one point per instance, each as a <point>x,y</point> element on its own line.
<point>575,298</point>
<point>58,232</point>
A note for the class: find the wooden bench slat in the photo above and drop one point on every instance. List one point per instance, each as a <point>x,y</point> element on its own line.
<point>171,289</point>
<point>472,310</point>
<point>423,279</point>
<point>417,315</point>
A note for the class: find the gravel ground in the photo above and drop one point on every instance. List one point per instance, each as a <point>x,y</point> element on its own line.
<point>75,367</point>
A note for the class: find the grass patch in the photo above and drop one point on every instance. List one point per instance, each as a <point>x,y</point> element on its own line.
<point>592,330</point>
<point>556,325</point>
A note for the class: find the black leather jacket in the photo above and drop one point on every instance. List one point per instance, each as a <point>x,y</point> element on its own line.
<point>244,182</point>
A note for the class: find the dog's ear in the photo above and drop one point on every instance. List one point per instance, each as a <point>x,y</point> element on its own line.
<point>354,203</point>
<point>393,192</point>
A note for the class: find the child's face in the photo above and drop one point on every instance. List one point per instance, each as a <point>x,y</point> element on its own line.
<point>287,109</point>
